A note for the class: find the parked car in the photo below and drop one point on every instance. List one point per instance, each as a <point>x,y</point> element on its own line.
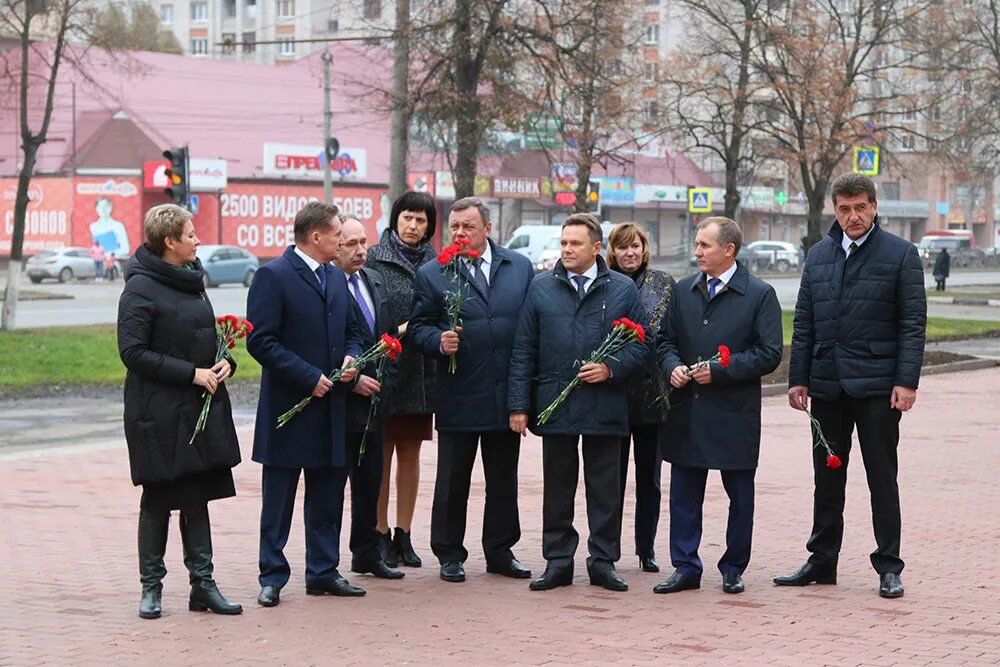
<point>62,264</point>
<point>227,264</point>
<point>770,256</point>
<point>531,240</point>
<point>959,247</point>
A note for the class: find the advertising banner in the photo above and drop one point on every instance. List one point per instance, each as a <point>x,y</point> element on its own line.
<point>48,221</point>
<point>307,162</point>
<point>108,210</point>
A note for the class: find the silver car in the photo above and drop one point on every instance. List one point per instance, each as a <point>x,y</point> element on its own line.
<point>227,264</point>
<point>63,264</point>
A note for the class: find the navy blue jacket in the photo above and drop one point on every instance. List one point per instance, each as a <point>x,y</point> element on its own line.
<point>298,336</point>
<point>860,322</point>
<point>475,398</point>
<point>717,425</point>
<point>358,406</point>
<point>557,331</point>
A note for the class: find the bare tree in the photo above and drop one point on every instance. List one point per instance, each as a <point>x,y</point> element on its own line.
<point>140,30</point>
<point>399,100</point>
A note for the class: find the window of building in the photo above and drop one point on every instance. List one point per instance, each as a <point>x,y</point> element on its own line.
<point>286,47</point>
<point>285,8</point>
<point>909,142</point>
<point>228,41</point>
<point>890,190</point>
<point>248,42</point>
<point>199,11</point>
<point>199,47</point>
<point>229,8</point>
<point>333,26</point>
<point>372,9</point>
<point>166,14</point>
<point>653,33</point>
<point>910,114</point>
<point>251,8</point>
<point>649,72</point>
<point>652,109</point>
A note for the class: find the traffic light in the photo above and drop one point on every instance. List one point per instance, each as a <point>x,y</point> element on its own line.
<point>594,195</point>
<point>178,185</point>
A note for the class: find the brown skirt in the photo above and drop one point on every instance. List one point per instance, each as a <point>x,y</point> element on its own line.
<point>409,427</point>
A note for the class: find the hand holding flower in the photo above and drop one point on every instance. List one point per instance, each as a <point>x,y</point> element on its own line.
<point>366,386</point>
<point>205,377</point>
<point>450,341</point>
<point>349,370</point>
<point>594,373</point>
<point>322,387</point>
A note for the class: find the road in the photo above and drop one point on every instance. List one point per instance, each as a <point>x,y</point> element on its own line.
<point>97,303</point>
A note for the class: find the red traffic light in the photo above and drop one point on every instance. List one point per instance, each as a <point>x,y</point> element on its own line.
<point>566,198</point>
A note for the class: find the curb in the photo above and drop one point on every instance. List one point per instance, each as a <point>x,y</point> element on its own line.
<point>963,301</point>
<point>936,369</point>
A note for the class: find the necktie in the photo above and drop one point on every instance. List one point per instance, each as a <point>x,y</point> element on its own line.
<point>581,289</point>
<point>713,285</point>
<point>321,274</point>
<point>362,304</point>
<point>478,277</point>
<point>851,248</point>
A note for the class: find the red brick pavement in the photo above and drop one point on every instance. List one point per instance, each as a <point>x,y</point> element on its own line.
<point>70,586</point>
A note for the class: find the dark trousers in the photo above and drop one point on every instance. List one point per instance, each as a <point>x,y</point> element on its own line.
<point>560,473</point>
<point>940,284</point>
<point>501,522</point>
<point>687,496</point>
<point>878,435</point>
<point>323,507</point>
<point>647,486</point>
<point>366,481</point>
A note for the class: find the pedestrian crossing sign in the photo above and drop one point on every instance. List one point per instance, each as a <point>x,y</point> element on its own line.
<point>700,200</point>
<point>866,160</point>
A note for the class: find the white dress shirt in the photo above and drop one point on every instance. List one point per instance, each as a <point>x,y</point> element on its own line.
<point>846,242</point>
<point>487,258</point>
<point>310,262</point>
<point>726,276</point>
<point>590,274</point>
<point>363,288</point>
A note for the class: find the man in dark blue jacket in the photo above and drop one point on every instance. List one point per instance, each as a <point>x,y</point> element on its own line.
<point>374,317</point>
<point>857,349</point>
<point>714,419</point>
<point>304,328</point>
<point>471,405</point>
<point>566,316</point>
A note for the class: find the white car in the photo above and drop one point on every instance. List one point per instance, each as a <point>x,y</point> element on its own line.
<point>63,264</point>
<point>770,255</point>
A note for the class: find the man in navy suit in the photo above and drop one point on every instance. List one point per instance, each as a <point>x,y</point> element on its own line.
<point>471,405</point>
<point>371,310</point>
<point>304,327</point>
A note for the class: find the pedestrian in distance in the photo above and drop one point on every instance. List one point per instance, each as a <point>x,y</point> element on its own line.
<point>942,269</point>
<point>857,348</point>
<point>97,255</point>
<point>167,341</point>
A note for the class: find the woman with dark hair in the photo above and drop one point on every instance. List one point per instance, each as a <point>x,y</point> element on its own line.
<point>628,253</point>
<point>402,249</point>
<point>167,341</point>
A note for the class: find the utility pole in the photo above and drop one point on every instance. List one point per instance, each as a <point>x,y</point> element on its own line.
<point>327,167</point>
<point>400,118</point>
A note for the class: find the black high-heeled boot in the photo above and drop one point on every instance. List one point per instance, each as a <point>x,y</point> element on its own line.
<point>401,541</point>
<point>152,546</point>
<point>387,550</point>
<point>196,533</point>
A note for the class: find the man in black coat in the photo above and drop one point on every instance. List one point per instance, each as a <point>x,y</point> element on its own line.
<point>567,314</point>
<point>471,405</point>
<point>371,310</point>
<point>304,328</point>
<point>942,269</point>
<point>857,349</point>
<point>714,419</point>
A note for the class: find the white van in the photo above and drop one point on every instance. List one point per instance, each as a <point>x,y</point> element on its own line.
<point>530,240</point>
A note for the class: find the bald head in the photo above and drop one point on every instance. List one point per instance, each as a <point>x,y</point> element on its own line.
<point>354,248</point>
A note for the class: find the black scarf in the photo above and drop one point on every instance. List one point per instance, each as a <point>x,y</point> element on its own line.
<point>412,255</point>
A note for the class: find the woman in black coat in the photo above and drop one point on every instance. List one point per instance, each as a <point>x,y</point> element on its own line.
<point>167,341</point>
<point>404,248</point>
<point>628,253</point>
<point>942,269</point>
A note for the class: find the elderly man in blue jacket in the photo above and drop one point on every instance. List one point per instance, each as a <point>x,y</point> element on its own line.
<point>304,328</point>
<point>471,404</point>
<point>857,349</point>
<point>567,315</point>
<point>714,419</point>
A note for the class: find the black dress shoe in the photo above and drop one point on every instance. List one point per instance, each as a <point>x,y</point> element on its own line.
<point>552,578</point>
<point>608,579</point>
<point>377,569</point>
<point>269,596</point>
<point>513,569</point>
<point>452,571</point>
<point>648,565</point>
<point>890,585</point>
<point>807,574</point>
<point>732,583</point>
<point>678,581</point>
<point>338,586</point>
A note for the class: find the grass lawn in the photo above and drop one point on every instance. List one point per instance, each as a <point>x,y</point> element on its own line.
<point>966,293</point>
<point>89,355</point>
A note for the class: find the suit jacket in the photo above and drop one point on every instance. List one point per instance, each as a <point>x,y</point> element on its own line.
<point>357,405</point>
<point>475,398</point>
<point>299,335</point>
<point>717,425</point>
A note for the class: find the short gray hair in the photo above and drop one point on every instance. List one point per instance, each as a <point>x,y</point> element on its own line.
<point>163,222</point>
<point>729,231</point>
<point>470,202</point>
<point>852,185</point>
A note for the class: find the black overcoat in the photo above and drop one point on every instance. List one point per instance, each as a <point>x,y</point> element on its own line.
<point>555,333</point>
<point>475,398</point>
<point>717,425</point>
<point>166,329</point>
<point>656,289</point>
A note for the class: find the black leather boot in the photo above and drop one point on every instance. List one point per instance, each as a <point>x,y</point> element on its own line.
<point>152,546</point>
<point>387,550</point>
<point>196,533</point>
<point>401,541</point>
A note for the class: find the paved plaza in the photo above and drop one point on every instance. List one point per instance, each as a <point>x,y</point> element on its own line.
<point>67,552</point>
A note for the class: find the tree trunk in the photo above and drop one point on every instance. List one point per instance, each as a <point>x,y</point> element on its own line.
<point>9,318</point>
<point>816,197</point>
<point>399,146</point>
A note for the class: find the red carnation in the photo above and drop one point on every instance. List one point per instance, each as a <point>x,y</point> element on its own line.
<point>470,254</point>
<point>724,356</point>
<point>393,348</point>
<point>463,241</point>
<point>833,461</point>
